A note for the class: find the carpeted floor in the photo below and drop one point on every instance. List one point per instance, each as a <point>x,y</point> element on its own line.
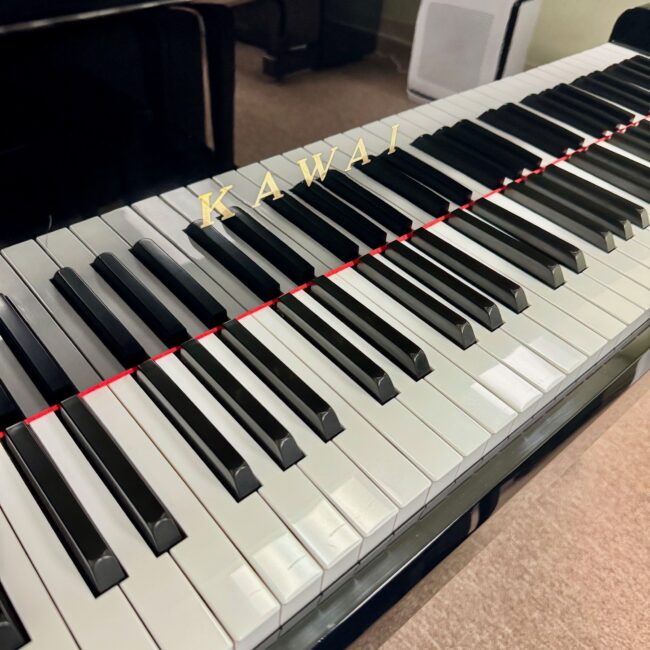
<point>272,117</point>
<point>563,565</point>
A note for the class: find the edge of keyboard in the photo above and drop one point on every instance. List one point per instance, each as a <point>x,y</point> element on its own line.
<point>374,585</point>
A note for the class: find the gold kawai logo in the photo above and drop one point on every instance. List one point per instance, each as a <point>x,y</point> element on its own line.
<point>269,187</point>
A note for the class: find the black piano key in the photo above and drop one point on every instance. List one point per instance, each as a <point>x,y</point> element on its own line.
<point>571,140</point>
<point>456,155</point>
<point>614,203</point>
<point>422,304</point>
<point>507,292</point>
<point>628,142</point>
<point>595,106</point>
<point>624,164</point>
<point>269,246</point>
<point>466,152</point>
<point>101,320</point>
<point>641,60</point>
<point>549,208</point>
<point>43,369</point>
<point>294,391</point>
<point>217,453</point>
<point>10,412</point>
<point>626,73</point>
<point>588,208</point>
<point>388,340</point>
<point>642,135</point>
<point>316,227</point>
<point>512,163</point>
<point>362,199</point>
<point>341,213</point>
<point>517,252</point>
<point>616,169</point>
<point>561,251</point>
<point>629,91</point>
<point>354,363</point>
<point>429,176</point>
<point>12,631</point>
<point>261,425</point>
<point>605,170</point>
<point>641,68</point>
<point>395,180</point>
<point>565,113</point>
<point>459,294</point>
<point>524,158</point>
<point>93,557</point>
<point>141,300</point>
<point>131,491</point>
<point>593,111</point>
<point>235,260</point>
<point>614,90</point>
<point>524,132</point>
<point>183,285</point>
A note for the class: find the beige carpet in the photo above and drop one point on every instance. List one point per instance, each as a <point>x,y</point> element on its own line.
<point>272,117</point>
<point>563,565</point>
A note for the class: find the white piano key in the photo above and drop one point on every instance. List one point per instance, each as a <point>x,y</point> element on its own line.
<point>102,623</point>
<point>498,379</point>
<point>494,415</point>
<point>155,586</point>
<point>462,436</point>
<point>544,318</point>
<point>18,383</point>
<point>48,331</point>
<point>100,238</point>
<point>280,560</point>
<point>543,376</point>
<point>346,486</point>
<point>598,328</point>
<point>158,213</point>
<point>599,295</point>
<point>66,249</point>
<point>243,195</point>
<point>243,190</point>
<point>256,173</point>
<point>187,203</point>
<point>36,269</point>
<point>409,434</point>
<point>380,460</point>
<point>132,227</point>
<point>459,114</point>
<point>556,351</point>
<point>616,260</point>
<point>330,539</point>
<point>229,587</point>
<point>38,614</point>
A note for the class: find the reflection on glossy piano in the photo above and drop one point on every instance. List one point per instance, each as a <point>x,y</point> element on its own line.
<point>204,472</point>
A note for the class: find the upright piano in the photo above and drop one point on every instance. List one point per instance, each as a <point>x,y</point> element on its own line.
<point>261,433</point>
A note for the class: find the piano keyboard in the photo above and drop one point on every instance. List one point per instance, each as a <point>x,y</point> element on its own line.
<point>195,477</point>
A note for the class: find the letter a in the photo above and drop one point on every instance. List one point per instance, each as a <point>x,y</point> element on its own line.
<point>273,190</point>
<point>358,154</point>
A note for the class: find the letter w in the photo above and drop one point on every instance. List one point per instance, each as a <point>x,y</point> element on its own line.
<point>318,167</point>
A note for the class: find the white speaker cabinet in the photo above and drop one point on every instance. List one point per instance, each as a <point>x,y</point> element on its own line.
<point>461,44</point>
